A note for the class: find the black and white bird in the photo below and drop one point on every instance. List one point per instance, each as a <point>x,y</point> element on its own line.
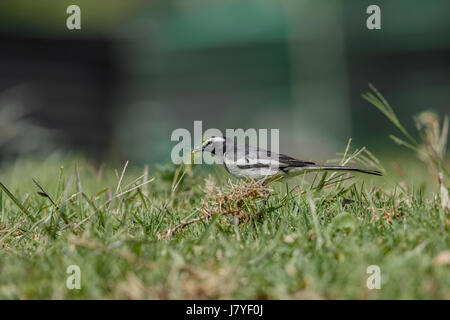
<point>244,161</point>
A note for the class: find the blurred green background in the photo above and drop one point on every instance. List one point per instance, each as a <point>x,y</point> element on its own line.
<point>137,70</point>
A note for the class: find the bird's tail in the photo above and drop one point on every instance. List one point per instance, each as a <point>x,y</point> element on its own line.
<point>333,167</point>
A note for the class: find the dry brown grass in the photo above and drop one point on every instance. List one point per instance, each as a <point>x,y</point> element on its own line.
<point>239,200</point>
<point>432,150</point>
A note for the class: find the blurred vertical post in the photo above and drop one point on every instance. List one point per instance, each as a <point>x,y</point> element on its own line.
<point>321,117</point>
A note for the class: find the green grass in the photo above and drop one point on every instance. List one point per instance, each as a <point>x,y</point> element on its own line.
<point>310,247</point>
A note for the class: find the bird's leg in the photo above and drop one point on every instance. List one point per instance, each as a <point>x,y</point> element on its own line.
<point>267,198</point>
<point>259,214</point>
<point>346,201</point>
<point>264,184</point>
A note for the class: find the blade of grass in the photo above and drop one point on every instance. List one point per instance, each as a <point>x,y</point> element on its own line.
<point>58,184</point>
<point>121,177</point>
<point>17,202</point>
<point>381,104</point>
<point>1,205</point>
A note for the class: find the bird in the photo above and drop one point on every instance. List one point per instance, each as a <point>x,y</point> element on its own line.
<point>245,161</point>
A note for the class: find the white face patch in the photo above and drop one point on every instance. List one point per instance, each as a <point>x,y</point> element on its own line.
<point>214,144</point>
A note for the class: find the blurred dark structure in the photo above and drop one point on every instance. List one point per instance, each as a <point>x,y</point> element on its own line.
<point>69,85</point>
<point>414,81</point>
<point>408,60</point>
<point>138,70</point>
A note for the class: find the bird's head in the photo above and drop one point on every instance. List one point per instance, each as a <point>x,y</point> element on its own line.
<point>213,145</point>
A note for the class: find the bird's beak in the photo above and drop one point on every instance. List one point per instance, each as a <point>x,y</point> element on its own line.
<point>197,149</point>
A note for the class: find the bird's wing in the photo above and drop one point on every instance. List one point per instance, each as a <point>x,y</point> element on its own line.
<point>253,163</point>
<point>282,160</point>
<point>292,162</point>
<point>248,157</point>
<point>245,157</point>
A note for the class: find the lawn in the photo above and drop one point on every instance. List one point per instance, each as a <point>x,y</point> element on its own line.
<point>192,232</point>
<point>304,243</point>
